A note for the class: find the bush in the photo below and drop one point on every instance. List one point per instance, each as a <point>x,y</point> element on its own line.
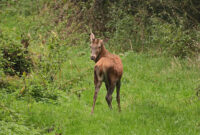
<point>15,58</point>
<point>42,93</point>
<point>172,39</point>
<point>131,33</point>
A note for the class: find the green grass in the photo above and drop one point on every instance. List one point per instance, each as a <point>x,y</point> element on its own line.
<point>157,97</point>
<point>157,92</point>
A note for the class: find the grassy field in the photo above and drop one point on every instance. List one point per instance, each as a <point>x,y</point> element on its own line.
<point>157,97</point>
<point>158,93</point>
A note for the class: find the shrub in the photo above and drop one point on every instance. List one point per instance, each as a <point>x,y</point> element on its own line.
<point>42,93</point>
<point>15,58</point>
<point>172,39</point>
<point>131,33</point>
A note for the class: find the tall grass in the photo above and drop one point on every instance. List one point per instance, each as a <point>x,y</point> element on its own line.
<point>158,97</point>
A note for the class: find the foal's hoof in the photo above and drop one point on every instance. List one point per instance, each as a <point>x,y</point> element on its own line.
<point>92,112</point>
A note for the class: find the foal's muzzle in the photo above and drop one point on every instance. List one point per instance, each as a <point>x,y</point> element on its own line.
<point>92,57</point>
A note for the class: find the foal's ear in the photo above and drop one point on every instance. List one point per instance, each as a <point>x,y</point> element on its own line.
<point>100,43</point>
<point>92,37</point>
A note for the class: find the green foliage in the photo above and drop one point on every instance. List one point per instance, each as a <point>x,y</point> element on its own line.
<point>170,27</point>
<point>173,40</point>
<point>13,128</point>
<point>133,25</point>
<point>41,93</point>
<point>139,31</point>
<point>1,66</point>
<point>15,59</point>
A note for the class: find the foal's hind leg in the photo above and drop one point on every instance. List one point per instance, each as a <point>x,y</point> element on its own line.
<point>110,89</point>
